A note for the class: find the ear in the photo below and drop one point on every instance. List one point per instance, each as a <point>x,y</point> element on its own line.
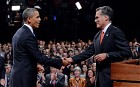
<point>106,17</point>
<point>29,20</point>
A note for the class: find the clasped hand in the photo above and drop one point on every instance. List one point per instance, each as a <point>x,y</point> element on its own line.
<point>67,61</point>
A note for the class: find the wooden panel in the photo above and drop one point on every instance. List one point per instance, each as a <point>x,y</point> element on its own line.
<point>125,84</point>
<point>126,70</point>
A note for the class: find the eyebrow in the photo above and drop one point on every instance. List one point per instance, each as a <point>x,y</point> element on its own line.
<point>38,16</point>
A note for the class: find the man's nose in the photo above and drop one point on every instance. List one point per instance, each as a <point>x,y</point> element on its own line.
<point>39,19</point>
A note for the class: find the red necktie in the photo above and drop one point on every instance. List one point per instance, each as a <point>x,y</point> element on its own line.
<point>101,37</point>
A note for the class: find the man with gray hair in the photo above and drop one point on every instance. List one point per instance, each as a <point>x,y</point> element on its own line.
<point>26,53</point>
<point>109,45</point>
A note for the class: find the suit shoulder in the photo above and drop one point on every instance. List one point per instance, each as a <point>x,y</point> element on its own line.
<point>116,29</point>
<point>22,34</point>
<point>117,32</point>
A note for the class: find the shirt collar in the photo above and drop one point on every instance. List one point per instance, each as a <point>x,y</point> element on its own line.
<point>29,28</point>
<point>104,30</point>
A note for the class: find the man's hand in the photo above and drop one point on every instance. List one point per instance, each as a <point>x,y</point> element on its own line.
<point>100,57</point>
<point>67,61</point>
<point>2,82</point>
<point>53,76</point>
<point>70,60</point>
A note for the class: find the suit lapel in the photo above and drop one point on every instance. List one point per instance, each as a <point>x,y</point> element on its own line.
<point>28,31</point>
<point>96,42</point>
<point>60,76</point>
<point>107,34</point>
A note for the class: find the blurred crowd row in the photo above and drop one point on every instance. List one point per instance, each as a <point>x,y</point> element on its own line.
<point>74,75</point>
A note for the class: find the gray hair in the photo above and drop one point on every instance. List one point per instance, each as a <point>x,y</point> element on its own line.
<point>77,68</point>
<point>106,10</point>
<point>27,13</point>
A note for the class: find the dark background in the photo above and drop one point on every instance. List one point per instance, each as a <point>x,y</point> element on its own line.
<point>71,24</point>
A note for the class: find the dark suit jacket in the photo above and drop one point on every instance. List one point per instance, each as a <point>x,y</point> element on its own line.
<point>115,44</point>
<point>2,68</point>
<point>60,81</point>
<point>26,54</point>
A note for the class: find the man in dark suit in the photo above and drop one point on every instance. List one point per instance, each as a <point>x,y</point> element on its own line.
<point>2,72</point>
<point>112,48</point>
<point>54,79</point>
<point>26,53</point>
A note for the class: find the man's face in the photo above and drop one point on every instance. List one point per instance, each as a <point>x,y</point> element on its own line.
<point>100,20</point>
<point>35,20</point>
<point>53,70</point>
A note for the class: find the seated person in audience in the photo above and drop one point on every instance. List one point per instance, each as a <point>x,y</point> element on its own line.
<point>77,81</point>
<point>90,78</point>
<point>8,68</point>
<point>54,79</point>
<point>84,70</point>
<point>60,71</point>
<point>71,71</point>
<point>40,74</point>
<point>8,58</point>
<point>135,50</point>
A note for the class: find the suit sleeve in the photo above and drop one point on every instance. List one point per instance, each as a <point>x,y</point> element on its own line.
<point>32,47</point>
<point>89,51</point>
<point>2,68</point>
<point>121,46</point>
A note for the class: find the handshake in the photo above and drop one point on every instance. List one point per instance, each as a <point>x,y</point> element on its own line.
<point>67,61</point>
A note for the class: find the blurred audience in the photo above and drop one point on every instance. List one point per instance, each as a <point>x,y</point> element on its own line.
<point>70,74</point>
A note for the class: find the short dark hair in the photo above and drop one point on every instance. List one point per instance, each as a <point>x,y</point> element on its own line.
<point>27,13</point>
<point>106,10</point>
